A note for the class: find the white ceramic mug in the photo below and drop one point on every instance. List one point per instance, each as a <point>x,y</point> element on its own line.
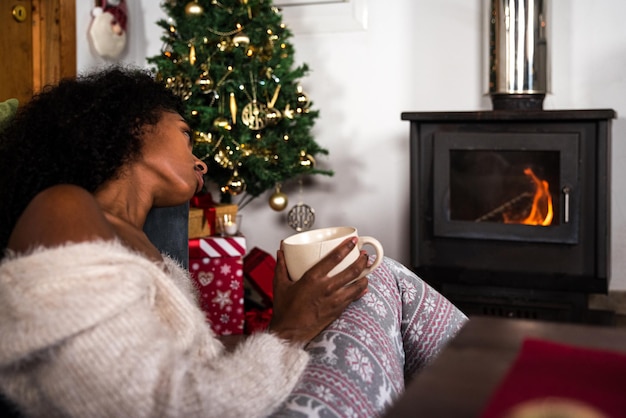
<point>303,250</point>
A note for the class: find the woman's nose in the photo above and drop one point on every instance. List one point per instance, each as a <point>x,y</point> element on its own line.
<point>201,166</point>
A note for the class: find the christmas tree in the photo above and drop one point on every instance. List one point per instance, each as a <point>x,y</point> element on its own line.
<point>232,63</point>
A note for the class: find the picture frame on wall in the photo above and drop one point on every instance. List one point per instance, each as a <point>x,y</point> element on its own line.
<point>318,16</point>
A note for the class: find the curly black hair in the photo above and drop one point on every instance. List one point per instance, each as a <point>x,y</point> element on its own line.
<point>81,132</point>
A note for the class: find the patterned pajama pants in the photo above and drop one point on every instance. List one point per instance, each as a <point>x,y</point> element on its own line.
<point>360,363</point>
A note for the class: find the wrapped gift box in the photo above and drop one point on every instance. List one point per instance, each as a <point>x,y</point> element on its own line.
<point>259,272</point>
<point>203,221</point>
<point>199,225</point>
<point>216,266</point>
<point>258,267</point>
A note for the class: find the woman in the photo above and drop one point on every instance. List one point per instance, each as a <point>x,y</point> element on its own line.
<point>97,322</point>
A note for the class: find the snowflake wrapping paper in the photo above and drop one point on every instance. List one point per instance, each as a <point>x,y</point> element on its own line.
<point>216,267</point>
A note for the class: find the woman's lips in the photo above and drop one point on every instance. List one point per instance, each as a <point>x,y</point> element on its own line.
<point>200,181</point>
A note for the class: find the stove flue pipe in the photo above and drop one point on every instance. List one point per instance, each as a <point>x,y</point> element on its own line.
<point>517,46</point>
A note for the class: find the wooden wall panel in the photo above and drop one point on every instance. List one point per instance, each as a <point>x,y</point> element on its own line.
<point>16,63</point>
<point>54,41</point>
<point>38,51</point>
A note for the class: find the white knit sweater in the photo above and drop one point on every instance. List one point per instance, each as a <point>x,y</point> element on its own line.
<point>95,330</point>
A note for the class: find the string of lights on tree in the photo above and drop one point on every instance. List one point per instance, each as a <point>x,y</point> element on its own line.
<point>232,63</point>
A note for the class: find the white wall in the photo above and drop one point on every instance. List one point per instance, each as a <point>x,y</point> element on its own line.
<point>417,55</point>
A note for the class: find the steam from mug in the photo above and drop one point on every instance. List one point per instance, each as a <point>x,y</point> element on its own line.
<point>303,250</point>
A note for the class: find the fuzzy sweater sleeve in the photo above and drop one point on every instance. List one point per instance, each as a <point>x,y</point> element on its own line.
<point>94,330</point>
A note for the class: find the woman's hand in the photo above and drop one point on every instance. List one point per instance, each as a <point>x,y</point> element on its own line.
<point>302,309</point>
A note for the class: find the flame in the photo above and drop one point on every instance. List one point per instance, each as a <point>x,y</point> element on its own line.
<point>541,212</point>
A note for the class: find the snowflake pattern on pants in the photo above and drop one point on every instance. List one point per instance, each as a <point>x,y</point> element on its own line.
<point>360,363</point>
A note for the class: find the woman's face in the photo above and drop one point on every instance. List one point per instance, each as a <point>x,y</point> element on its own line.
<point>167,154</point>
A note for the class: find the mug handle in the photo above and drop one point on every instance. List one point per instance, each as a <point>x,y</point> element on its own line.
<point>363,241</point>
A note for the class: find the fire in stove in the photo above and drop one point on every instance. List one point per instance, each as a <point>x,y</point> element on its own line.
<point>526,208</point>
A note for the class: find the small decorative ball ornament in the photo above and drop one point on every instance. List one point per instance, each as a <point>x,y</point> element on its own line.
<point>302,99</point>
<point>235,185</point>
<point>272,116</point>
<point>307,160</point>
<point>205,82</point>
<point>193,9</point>
<point>301,217</point>
<point>278,200</point>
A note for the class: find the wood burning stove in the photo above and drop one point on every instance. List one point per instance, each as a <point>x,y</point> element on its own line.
<point>510,209</point>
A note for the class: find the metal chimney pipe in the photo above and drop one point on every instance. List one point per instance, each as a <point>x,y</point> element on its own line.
<point>518,53</point>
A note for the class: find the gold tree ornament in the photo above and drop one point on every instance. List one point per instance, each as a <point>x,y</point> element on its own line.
<point>245,3</point>
<point>205,82</point>
<point>302,98</point>
<point>233,108</point>
<point>278,200</point>
<point>192,54</point>
<point>307,160</point>
<point>180,86</point>
<point>235,185</point>
<point>254,116</point>
<point>225,44</point>
<point>222,159</point>
<point>193,8</point>
<point>241,39</point>
<point>266,52</point>
<point>202,137</point>
<point>288,112</point>
<point>272,116</point>
<point>222,123</point>
<point>251,50</point>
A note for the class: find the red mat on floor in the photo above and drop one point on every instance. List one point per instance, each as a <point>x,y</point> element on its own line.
<point>545,372</point>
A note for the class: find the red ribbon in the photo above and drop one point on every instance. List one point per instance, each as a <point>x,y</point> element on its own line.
<point>206,203</point>
<point>194,249</point>
<point>202,201</point>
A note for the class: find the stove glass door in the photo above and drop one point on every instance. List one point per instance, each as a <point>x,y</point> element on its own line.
<point>506,186</point>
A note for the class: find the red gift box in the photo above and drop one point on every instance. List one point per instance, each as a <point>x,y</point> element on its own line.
<point>216,266</point>
<point>259,268</point>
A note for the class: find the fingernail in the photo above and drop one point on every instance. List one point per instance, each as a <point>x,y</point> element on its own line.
<point>354,241</point>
